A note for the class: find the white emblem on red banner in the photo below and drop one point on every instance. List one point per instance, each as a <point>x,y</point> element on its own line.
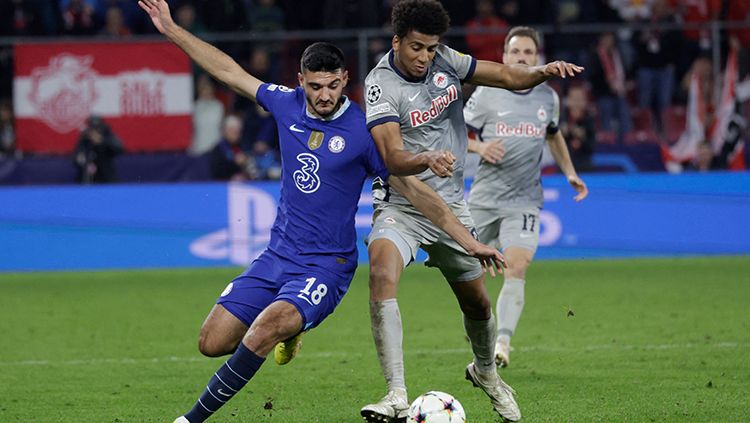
<point>64,92</point>
<point>142,93</point>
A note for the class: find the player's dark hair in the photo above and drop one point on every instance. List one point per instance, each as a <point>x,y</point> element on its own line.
<point>425,16</point>
<point>322,57</point>
<point>523,31</point>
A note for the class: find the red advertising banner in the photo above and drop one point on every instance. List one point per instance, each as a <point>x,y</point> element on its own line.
<point>144,91</point>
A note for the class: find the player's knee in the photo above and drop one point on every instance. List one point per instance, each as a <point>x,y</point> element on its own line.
<point>477,308</point>
<point>264,336</point>
<point>515,274</point>
<point>211,347</point>
<point>517,268</point>
<point>383,281</point>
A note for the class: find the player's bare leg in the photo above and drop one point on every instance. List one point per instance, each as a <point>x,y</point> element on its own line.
<point>221,332</point>
<point>480,328</point>
<point>386,266</point>
<point>510,301</point>
<point>277,322</point>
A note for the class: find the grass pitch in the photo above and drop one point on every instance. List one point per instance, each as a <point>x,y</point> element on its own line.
<point>610,341</point>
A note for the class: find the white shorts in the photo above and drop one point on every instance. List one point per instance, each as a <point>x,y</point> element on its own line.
<point>503,228</point>
<point>409,230</point>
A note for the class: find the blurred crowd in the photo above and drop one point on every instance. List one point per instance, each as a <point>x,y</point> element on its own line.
<point>634,89</point>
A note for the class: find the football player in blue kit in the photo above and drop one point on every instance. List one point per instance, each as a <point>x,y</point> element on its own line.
<point>309,263</point>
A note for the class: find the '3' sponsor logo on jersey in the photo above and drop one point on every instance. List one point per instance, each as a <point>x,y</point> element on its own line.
<point>306,178</point>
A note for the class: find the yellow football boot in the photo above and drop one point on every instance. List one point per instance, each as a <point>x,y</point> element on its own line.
<point>285,351</point>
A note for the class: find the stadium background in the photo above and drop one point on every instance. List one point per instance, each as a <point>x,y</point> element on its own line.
<point>147,101</point>
<point>166,210</point>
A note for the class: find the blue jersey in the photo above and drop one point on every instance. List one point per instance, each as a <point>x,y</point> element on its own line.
<point>324,165</point>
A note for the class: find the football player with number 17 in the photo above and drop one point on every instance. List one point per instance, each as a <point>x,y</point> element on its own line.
<point>506,196</point>
<point>414,112</point>
<point>309,263</point>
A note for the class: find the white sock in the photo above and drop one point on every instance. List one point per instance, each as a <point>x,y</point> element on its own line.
<point>509,307</point>
<point>388,334</point>
<point>482,336</point>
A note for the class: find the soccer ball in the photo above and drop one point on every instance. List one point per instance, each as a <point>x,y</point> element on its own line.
<point>436,407</point>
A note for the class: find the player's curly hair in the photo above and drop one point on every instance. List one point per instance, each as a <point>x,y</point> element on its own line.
<point>322,57</point>
<point>425,16</point>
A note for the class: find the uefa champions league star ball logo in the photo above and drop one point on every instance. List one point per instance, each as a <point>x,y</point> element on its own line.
<point>440,80</point>
<point>336,144</point>
<point>64,92</point>
<point>373,93</point>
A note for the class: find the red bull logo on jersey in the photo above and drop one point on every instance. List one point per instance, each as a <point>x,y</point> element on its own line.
<point>521,129</point>
<point>437,106</point>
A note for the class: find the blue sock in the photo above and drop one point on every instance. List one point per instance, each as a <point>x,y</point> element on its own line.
<point>226,382</point>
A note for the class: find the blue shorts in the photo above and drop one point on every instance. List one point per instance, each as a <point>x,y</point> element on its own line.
<point>314,290</point>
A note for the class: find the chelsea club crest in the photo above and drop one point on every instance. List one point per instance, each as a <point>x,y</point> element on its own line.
<point>336,144</point>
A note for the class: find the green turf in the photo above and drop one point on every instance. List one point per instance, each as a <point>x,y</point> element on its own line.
<point>649,340</point>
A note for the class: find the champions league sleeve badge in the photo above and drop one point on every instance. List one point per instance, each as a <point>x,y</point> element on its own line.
<point>373,93</point>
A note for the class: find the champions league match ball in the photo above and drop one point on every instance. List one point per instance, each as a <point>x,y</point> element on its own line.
<point>436,407</point>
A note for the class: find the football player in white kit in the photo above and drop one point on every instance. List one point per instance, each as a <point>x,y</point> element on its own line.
<point>415,115</point>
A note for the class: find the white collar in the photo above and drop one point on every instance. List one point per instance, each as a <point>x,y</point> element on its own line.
<point>336,115</point>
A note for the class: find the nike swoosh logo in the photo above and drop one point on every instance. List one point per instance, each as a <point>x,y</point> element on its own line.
<point>501,114</point>
<point>295,129</point>
<point>414,96</point>
<point>222,393</point>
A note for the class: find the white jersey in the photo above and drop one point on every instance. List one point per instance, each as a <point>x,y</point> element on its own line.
<point>522,120</point>
<point>429,111</point>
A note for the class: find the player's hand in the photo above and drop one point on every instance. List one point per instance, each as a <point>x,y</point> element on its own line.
<point>158,11</point>
<point>490,258</point>
<point>440,162</point>
<point>561,69</point>
<point>492,151</point>
<point>579,186</point>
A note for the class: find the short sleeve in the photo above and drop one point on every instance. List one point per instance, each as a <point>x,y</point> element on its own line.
<point>270,96</point>
<point>381,101</point>
<point>554,124</point>
<point>464,64</point>
<point>473,113</point>
<point>555,108</point>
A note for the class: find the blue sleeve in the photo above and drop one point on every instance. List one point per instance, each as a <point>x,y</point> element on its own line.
<point>271,96</point>
<point>373,162</point>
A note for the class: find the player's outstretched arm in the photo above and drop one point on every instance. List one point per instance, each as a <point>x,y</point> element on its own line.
<point>432,206</point>
<point>387,137</point>
<point>562,157</point>
<point>520,77</point>
<point>213,60</point>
